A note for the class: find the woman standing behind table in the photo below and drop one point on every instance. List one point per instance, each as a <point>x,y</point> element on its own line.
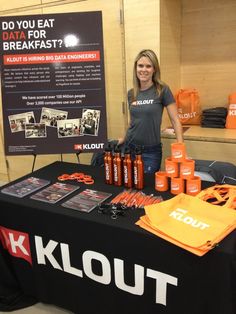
<point>147,99</point>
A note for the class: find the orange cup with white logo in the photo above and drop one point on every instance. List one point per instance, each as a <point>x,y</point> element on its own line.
<point>161,181</point>
<point>193,186</point>
<point>178,151</point>
<point>187,169</point>
<point>171,167</point>
<point>177,185</point>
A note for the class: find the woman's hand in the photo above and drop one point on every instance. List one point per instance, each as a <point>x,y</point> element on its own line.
<point>121,141</point>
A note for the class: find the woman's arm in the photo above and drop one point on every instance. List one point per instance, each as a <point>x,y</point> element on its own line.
<point>173,115</point>
<point>121,140</point>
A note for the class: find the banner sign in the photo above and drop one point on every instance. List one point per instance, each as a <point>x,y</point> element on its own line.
<point>53,84</point>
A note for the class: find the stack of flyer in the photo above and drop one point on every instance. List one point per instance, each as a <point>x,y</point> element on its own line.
<point>87,200</point>
<point>55,192</point>
<point>25,187</point>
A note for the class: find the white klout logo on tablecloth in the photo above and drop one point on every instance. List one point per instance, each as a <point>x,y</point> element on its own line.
<point>18,245</point>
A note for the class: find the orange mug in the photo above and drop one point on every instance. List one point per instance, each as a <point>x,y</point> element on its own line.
<point>187,169</point>
<point>177,185</point>
<point>171,167</point>
<point>193,186</point>
<point>178,151</point>
<point>161,181</point>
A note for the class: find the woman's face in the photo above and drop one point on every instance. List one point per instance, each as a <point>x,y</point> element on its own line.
<point>144,70</point>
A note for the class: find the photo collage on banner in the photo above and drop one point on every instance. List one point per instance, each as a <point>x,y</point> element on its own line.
<point>53,84</point>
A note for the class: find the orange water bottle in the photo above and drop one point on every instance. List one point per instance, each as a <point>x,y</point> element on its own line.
<point>117,168</point>
<point>138,171</point>
<point>108,165</point>
<point>128,169</point>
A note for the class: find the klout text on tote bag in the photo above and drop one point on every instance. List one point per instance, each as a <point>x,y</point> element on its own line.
<point>189,107</point>
<point>231,116</point>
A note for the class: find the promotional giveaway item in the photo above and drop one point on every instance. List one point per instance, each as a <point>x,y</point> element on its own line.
<point>117,168</point>
<point>114,210</point>
<point>138,171</point>
<point>188,104</point>
<point>178,152</point>
<point>25,187</point>
<point>55,192</point>
<point>224,195</point>
<point>181,172</point>
<point>177,186</point>
<point>135,199</point>
<point>231,116</point>
<point>187,169</point>
<point>171,167</point>
<point>87,200</point>
<point>193,185</point>
<point>108,165</point>
<point>189,222</point>
<point>214,117</point>
<point>128,169</point>
<point>128,199</point>
<point>161,181</point>
<point>125,171</point>
<point>77,176</point>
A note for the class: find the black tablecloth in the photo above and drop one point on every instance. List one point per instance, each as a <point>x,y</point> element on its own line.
<point>92,264</point>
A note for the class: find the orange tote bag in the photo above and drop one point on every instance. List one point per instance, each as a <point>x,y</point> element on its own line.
<point>188,105</point>
<point>231,116</point>
<point>189,222</point>
<point>223,195</point>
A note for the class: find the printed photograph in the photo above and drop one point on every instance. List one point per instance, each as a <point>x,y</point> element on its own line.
<point>51,116</point>
<point>90,122</point>
<point>17,121</point>
<point>35,130</point>
<point>69,128</point>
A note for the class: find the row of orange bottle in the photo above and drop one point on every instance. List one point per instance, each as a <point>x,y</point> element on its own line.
<point>123,171</point>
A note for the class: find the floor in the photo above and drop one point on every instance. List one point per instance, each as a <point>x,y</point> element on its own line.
<point>40,308</point>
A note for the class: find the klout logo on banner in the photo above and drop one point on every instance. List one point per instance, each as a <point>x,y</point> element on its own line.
<point>88,146</point>
<point>16,243</point>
